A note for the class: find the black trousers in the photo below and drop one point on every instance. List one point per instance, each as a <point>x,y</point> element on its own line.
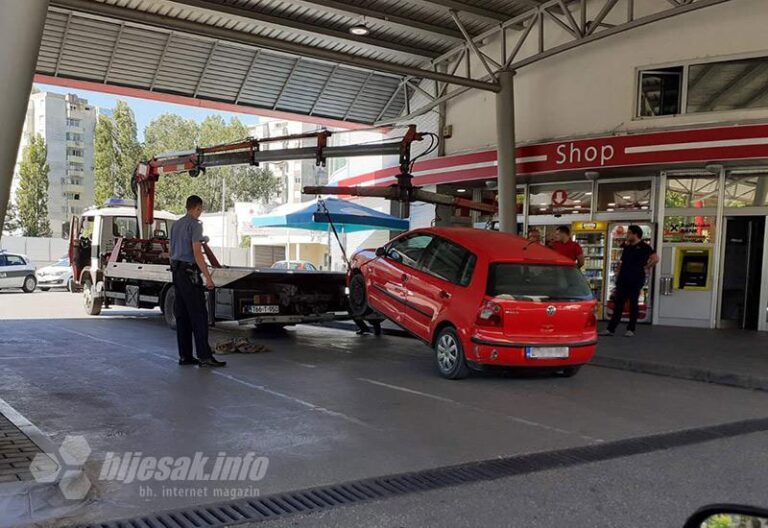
<point>626,290</point>
<point>191,314</point>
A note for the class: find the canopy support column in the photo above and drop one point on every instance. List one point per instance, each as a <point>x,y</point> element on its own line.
<point>505,136</point>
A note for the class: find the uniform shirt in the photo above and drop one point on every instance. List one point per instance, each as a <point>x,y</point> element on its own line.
<point>183,232</point>
<point>634,257</point>
<point>570,249</point>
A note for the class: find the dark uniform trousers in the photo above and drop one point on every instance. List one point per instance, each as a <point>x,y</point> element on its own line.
<point>191,310</point>
<point>627,289</point>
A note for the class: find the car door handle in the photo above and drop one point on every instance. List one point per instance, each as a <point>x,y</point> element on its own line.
<point>445,295</point>
<point>404,277</point>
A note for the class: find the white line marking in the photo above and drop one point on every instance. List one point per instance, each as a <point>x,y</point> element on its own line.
<point>481,409</point>
<point>89,336</point>
<point>2,358</point>
<point>696,145</point>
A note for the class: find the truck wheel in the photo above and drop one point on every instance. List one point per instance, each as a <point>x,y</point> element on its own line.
<point>30,283</point>
<point>449,355</point>
<point>358,296</point>
<point>169,312</point>
<point>91,304</point>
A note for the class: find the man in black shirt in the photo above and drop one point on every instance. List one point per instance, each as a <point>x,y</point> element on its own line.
<point>637,258</point>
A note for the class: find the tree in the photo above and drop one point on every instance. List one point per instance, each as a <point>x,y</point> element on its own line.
<point>126,146</point>
<point>32,194</point>
<point>171,132</point>
<point>108,181</point>
<point>12,224</point>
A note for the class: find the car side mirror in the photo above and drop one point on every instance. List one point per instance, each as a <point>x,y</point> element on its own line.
<point>381,251</point>
<point>727,516</point>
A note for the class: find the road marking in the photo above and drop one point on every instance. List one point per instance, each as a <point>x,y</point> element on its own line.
<point>481,409</point>
<point>89,336</point>
<point>45,357</point>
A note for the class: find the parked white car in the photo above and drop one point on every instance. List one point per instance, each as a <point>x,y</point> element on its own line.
<point>57,275</point>
<point>17,271</point>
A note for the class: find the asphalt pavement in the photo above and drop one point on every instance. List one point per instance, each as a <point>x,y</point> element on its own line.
<point>327,406</point>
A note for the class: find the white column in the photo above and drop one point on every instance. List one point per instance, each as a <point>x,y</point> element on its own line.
<point>505,137</point>
<point>21,28</point>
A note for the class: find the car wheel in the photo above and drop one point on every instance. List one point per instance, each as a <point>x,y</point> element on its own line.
<point>91,304</point>
<point>449,355</point>
<point>30,283</point>
<point>569,372</point>
<point>44,289</point>
<point>169,312</point>
<point>358,296</point>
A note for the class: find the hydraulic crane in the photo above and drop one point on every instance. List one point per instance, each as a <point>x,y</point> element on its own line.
<point>249,152</point>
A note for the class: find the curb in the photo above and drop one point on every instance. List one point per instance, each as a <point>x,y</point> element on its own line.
<point>30,501</point>
<point>727,379</point>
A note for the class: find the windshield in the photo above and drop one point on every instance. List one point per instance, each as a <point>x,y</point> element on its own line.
<point>537,282</point>
<point>62,263</point>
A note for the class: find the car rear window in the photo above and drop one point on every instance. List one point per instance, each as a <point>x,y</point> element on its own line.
<point>537,282</point>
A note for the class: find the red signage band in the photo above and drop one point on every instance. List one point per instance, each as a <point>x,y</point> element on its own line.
<point>681,146</point>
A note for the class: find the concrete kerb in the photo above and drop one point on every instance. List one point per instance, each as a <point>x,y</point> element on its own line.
<point>728,379</point>
<point>31,501</point>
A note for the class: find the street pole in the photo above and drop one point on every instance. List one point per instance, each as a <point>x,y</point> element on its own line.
<point>223,216</point>
<point>21,29</point>
<point>505,137</point>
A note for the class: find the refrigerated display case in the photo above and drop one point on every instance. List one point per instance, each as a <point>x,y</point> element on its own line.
<point>617,236</point>
<point>592,236</point>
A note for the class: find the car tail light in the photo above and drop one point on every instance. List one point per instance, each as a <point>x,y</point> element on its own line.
<point>490,314</point>
<point>592,318</point>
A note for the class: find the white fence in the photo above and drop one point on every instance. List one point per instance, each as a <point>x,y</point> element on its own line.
<point>232,256</point>
<point>42,251</point>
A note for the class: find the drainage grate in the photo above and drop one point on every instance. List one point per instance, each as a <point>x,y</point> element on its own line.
<point>355,492</point>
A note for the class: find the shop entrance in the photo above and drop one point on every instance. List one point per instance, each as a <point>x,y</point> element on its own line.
<point>742,272</point>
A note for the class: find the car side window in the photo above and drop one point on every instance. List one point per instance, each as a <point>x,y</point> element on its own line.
<point>448,261</point>
<point>14,260</point>
<point>125,226</point>
<point>2,260</point>
<point>408,250</point>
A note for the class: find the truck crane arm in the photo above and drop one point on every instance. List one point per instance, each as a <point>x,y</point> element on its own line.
<point>249,152</point>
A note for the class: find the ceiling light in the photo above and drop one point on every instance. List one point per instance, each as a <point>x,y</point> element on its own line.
<point>612,204</point>
<point>627,197</point>
<point>359,29</point>
<point>461,190</point>
<point>588,193</point>
<point>610,210</point>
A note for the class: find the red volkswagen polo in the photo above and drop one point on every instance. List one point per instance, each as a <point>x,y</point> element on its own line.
<point>479,298</point>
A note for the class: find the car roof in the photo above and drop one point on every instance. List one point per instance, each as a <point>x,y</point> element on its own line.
<point>498,247</point>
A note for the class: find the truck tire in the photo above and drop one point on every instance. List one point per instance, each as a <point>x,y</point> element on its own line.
<point>358,297</point>
<point>90,303</point>
<point>30,283</point>
<point>169,313</point>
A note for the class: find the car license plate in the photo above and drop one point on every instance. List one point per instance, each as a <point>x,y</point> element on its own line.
<point>264,309</point>
<point>546,352</point>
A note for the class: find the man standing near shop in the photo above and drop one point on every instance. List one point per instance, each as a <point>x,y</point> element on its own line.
<point>187,265</point>
<point>567,247</point>
<point>637,259</point>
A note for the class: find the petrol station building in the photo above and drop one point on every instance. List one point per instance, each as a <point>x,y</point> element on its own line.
<point>667,128</point>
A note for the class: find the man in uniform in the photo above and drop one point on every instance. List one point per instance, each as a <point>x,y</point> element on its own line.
<point>187,264</point>
<point>637,259</point>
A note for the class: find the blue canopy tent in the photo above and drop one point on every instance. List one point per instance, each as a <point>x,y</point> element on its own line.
<point>331,214</point>
<point>346,216</point>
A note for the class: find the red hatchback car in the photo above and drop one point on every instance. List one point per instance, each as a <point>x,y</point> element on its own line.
<point>479,297</point>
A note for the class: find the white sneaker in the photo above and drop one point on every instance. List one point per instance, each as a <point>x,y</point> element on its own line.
<point>629,333</point>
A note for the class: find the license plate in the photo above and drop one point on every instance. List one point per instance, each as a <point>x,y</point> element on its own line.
<point>264,309</point>
<point>546,352</point>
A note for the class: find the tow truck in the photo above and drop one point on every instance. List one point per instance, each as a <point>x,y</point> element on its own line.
<point>120,253</point>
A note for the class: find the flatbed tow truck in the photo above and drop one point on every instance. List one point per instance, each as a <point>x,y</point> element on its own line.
<point>120,255</point>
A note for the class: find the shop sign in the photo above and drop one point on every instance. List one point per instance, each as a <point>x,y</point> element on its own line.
<point>559,197</point>
<point>699,231</point>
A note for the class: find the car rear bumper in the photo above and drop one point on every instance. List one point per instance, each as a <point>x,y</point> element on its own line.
<point>512,354</point>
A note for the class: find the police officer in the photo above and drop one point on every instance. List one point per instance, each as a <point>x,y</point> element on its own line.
<point>187,264</point>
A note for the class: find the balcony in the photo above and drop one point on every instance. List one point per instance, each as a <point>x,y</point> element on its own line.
<point>73,188</point>
<point>75,144</point>
<point>75,159</point>
<point>75,173</point>
<point>75,129</point>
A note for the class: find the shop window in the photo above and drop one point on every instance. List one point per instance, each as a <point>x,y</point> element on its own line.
<point>565,198</point>
<point>624,196</point>
<point>746,191</point>
<point>691,192</point>
<point>659,92</point>
<point>689,229</point>
<point>728,85</point>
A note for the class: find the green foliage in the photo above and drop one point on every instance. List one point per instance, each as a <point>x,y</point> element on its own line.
<point>127,148</point>
<point>32,194</point>
<point>12,223</point>
<point>108,181</point>
<point>170,132</point>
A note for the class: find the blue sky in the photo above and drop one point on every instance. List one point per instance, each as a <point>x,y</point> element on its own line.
<point>147,110</point>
